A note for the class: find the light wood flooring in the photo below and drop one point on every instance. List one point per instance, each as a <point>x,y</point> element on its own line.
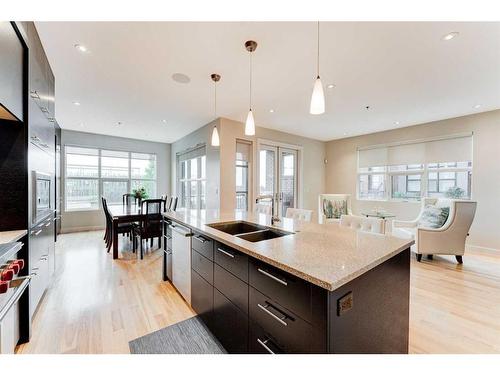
<point>97,305</point>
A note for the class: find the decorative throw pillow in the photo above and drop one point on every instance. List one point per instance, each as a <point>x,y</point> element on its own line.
<point>333,209</point>
<point>434,216</point>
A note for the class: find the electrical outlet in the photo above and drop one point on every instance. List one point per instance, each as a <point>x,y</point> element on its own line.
<point>344,304</point>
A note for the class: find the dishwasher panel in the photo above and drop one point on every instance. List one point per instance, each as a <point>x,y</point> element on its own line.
<point>181,260</point>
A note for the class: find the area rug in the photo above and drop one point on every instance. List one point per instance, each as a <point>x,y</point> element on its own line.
<point>190,336</point>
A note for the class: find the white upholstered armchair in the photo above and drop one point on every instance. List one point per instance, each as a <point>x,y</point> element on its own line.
<point>449,239</point>
<point>332,206</point>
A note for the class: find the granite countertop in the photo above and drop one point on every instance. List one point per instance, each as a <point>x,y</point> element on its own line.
<point>327,255</point>
<point>12,235</point>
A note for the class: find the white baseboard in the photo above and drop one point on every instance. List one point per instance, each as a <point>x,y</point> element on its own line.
<point>81,229</point>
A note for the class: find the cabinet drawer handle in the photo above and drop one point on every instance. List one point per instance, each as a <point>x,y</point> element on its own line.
<point>37,232</point>
<point>48,224</point>
<point>201,239</point>
<point>272,277</point>
<point>225,252</point>
<point>265,309</point>
<point>264,345</point>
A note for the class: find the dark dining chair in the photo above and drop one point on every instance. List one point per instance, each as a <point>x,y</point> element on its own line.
<point>150,226</point>
<point>173,204</point>
<point>129,199</point>
<point>124,228</point>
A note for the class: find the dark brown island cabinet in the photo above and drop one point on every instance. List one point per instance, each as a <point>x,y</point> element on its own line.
<point>253,307</point>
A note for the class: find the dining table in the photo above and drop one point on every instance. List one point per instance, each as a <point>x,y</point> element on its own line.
<point>123,213</point>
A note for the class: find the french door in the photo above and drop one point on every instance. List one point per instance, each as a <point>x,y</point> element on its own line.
<point>278,176</point>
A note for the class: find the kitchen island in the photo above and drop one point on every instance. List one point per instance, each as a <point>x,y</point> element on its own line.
<point>294,287</point>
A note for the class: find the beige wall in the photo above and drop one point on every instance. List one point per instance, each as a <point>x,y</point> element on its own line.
<point>221,161</point>
<point>312,168</point>
<point>342,164</point>
<point>201,136</point>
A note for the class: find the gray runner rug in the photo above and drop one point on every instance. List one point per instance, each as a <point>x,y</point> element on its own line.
<point>190,336</point>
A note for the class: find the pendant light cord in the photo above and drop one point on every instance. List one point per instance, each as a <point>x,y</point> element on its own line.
<point>215,101</point>
<point>318,51</point>
<point>250,81</point>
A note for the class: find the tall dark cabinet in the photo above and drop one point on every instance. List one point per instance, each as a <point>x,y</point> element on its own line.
<point>30,144</point>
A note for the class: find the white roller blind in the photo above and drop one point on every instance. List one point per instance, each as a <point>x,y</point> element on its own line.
<point>243,150</point>
<point>373,157</point>
<point>413,153</point>
<point>192,153</point>
<point>451,149</point>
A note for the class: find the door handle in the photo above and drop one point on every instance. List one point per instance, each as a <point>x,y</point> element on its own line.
<point>201,239</point>
<point>227,253</point>
<point>264,345</point>
<point>277,279</point>
<point>273,315</point>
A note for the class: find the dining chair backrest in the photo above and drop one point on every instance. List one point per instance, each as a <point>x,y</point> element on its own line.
<point>363,224</point>
<point>261,208</point>
<point>168,205</point>
<point>299,214</point>
<point>152,208</point>
<point>129,199</point>
<point>106,209</point>
<point>174,204</point>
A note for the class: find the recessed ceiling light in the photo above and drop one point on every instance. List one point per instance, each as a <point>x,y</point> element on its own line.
<point>397,123</point>
<point>76,103</point>
<point>477,106</point>
<point>345,133</point>
<point>181,78</point>
<point>451,35</point>
<point>330,86</point>
<point>81,47</point>
<point>164,121</point>
<point>271,110</point>
<point>81,124</point>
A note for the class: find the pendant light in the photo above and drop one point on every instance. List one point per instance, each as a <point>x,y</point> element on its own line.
<point>250,46</point>
<point>318,96</point>
<point>215,133</point>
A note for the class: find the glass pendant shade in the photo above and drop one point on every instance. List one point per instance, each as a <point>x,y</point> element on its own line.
<point>250,124</point>
<point>215,137</point>
<point>317,99</point>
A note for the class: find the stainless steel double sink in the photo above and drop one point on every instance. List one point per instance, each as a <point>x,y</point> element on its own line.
<point>249,231</point>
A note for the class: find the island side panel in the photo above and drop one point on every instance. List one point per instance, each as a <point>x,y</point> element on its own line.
<point>376,319</point>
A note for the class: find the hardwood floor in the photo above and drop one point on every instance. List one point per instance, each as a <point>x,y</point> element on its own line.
<point>455,308</point>
<point>97,305</point>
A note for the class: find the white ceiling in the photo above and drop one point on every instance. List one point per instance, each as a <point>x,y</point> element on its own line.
<point>405,72</point>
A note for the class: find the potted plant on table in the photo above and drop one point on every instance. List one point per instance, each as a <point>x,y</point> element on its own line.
<point>140,194</point>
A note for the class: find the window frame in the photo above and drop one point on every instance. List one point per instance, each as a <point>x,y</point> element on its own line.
<point>184,202</point>
<point>100,179</point>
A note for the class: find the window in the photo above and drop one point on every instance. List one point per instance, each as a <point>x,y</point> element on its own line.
<point>91,173</point>
<point>371,183</point>
<point>143,172</point>
<point>406,181</point>
<point>408,171</point>
<point>192,178</point>
<point>452,180</point>
<point>243,156</point>
<point>82,179</point>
